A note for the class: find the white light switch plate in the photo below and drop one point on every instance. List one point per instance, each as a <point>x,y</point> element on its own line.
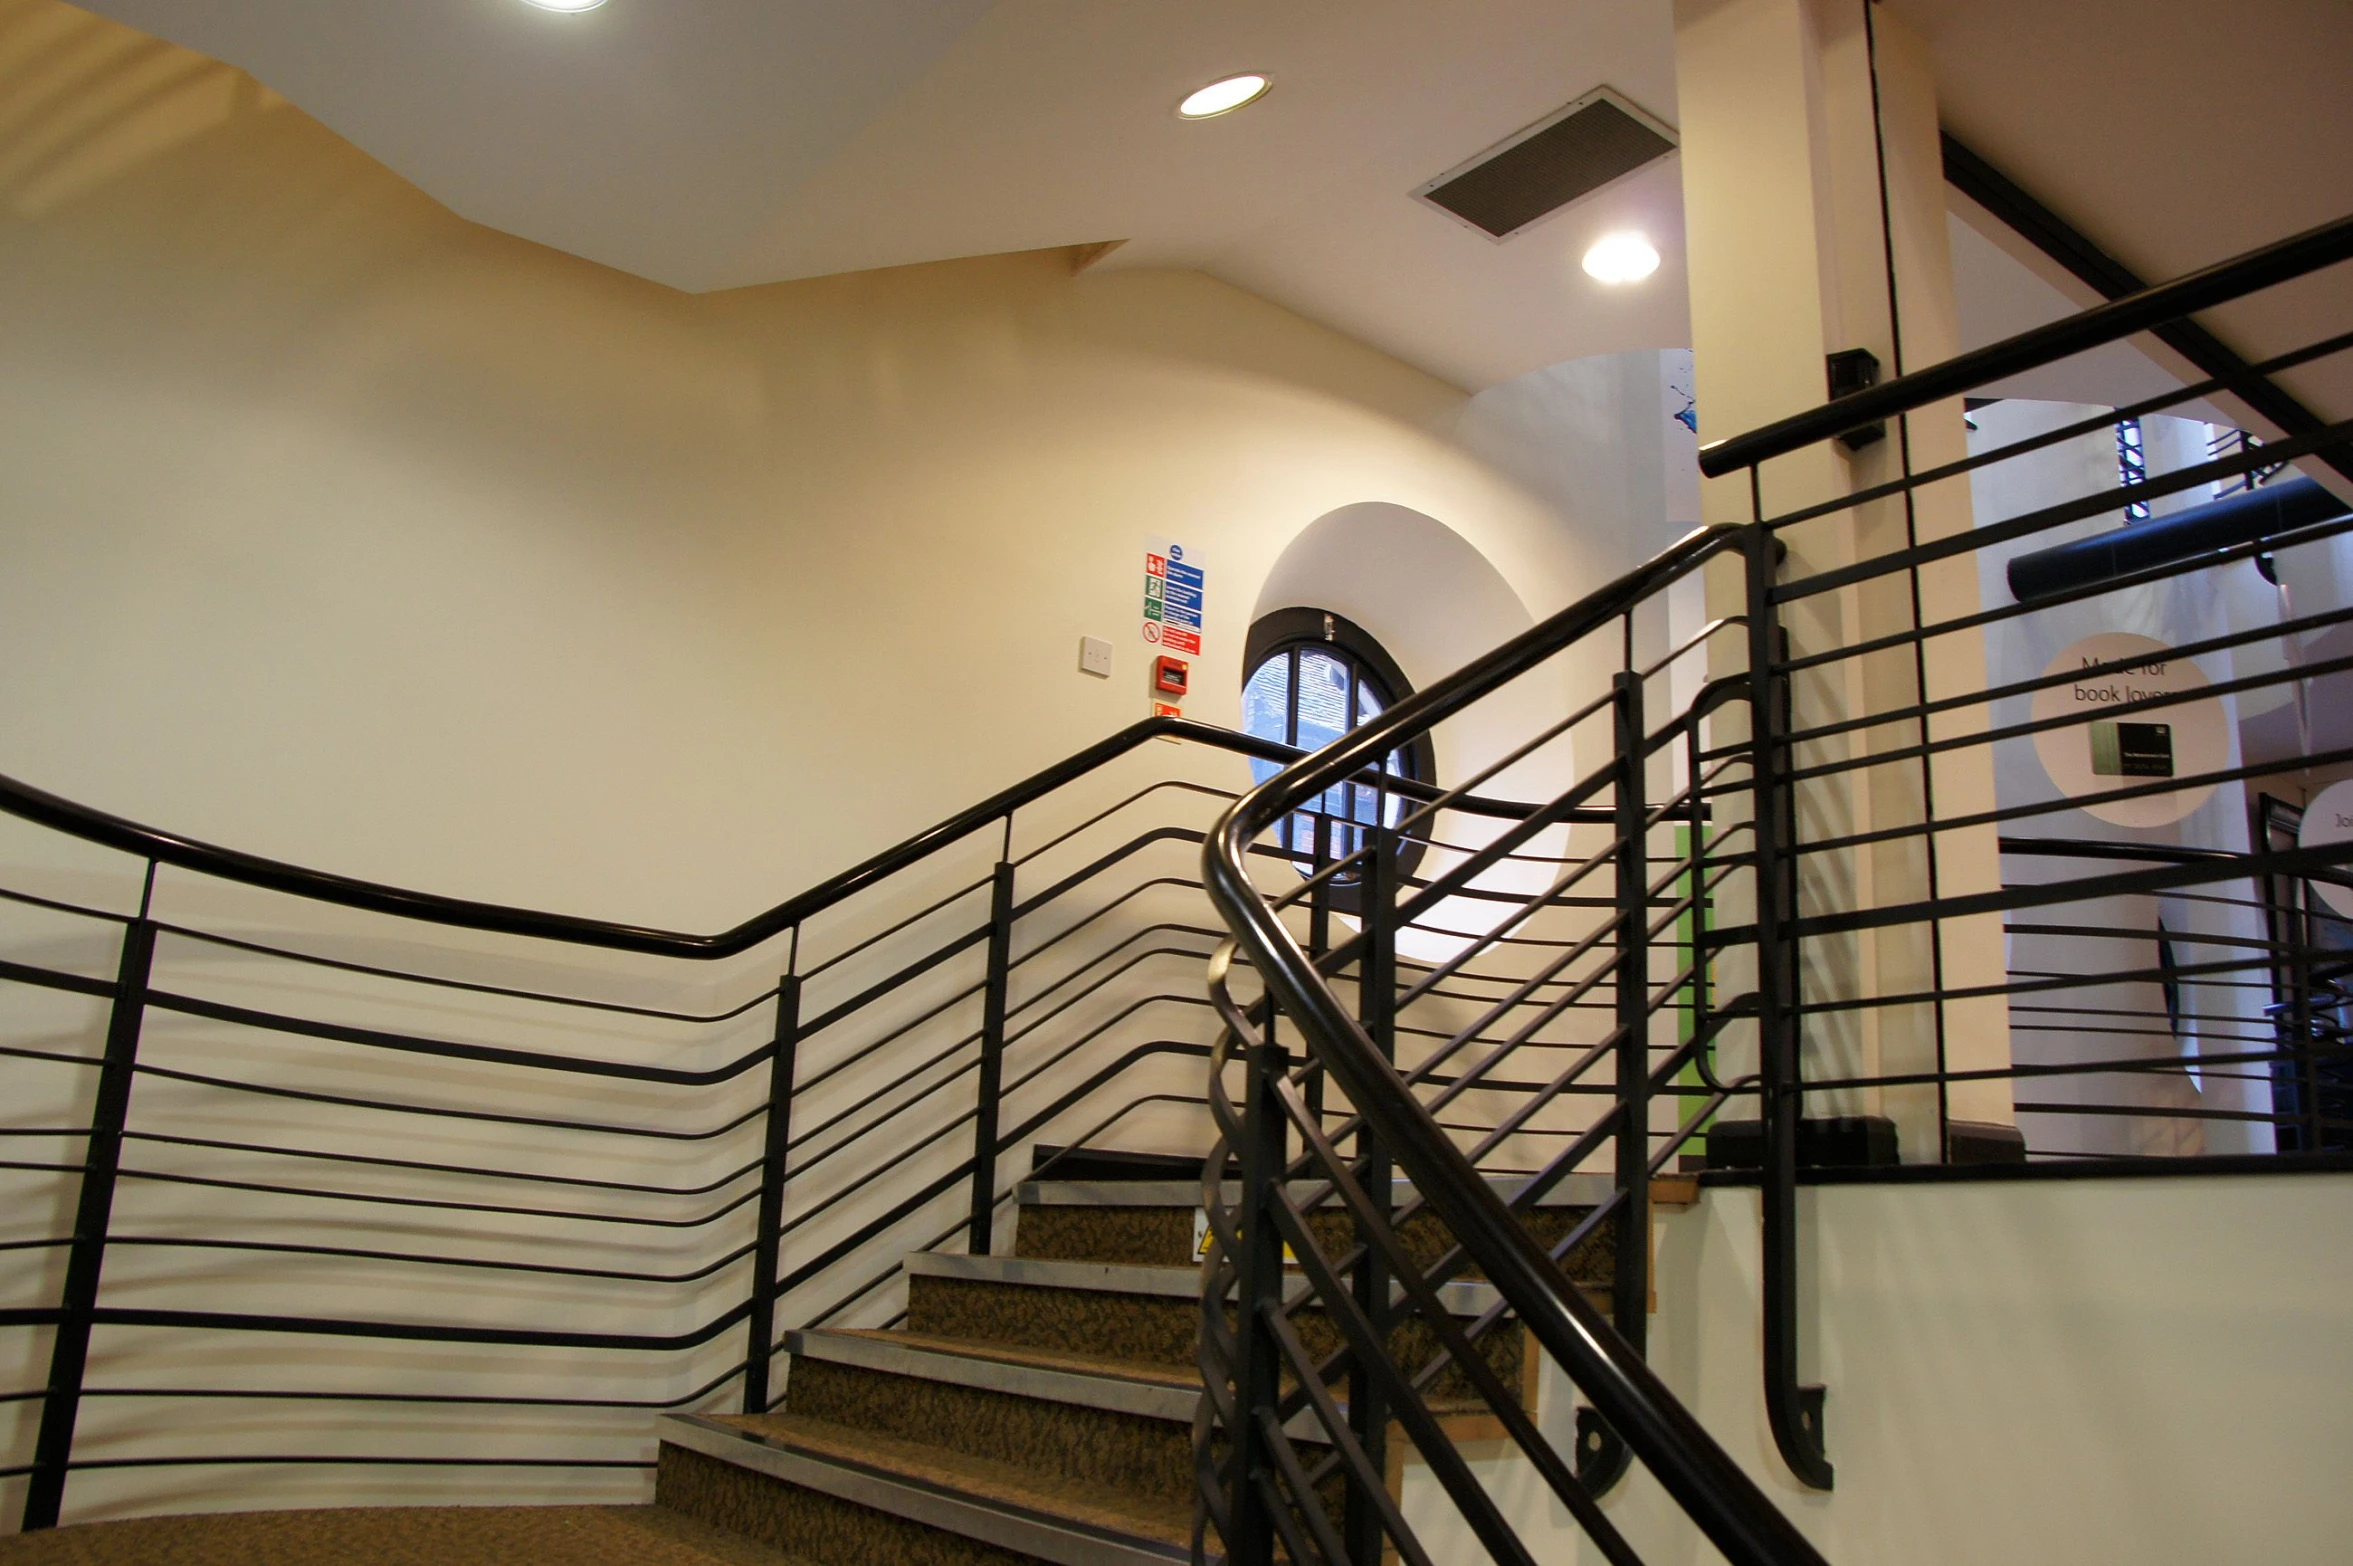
<point>1094,655</point>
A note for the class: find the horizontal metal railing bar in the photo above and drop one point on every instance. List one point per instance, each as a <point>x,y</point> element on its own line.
<point>1181,785</point>
<point>57,905</point>
<point>1537,1184</point>
<point>2276,263</point>
<point>399,1331</point>
<point>467,986</point>
<point>423,1259</point>
<point>447,1049</point>
<point>337,1460</point>
<point>109,831</point>
<point>1163,929</point>
<point>2103,848</point>
<point>2203,972</point>
<point>2042,520</point>
<point>955,1176</point>
<point>1105,1026</point>
<point>443,1112</point>
<point>468,1170</point>
<point>54,1057</point>
<point>52,979</point>
<point>2318,532</point>
<point>2177,1112</point>
<point>2228,641</point>
<point>1509,758</point>
<point>1087,920</point>
<point>868,942</point>
<point>865,1052</point>
<point>2034,808</point>
<point>2123,1065</point>
<point>433,1204</point>
<point>2077,801</point>
<point>939,1084</point>
<point>2105,419</point>
<point>1135,961</point>
<point>288,1394</point>
<point>851,1005</point>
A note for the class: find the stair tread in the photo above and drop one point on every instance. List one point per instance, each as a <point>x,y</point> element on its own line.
<point>399,1536</point>
<point>1185,1383</point>
<point>1144,1372</point>
<point>1091,1505</point>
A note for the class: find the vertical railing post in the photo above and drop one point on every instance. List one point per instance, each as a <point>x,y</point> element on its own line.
<point>1319,938</point>
<point>1631,1294</point>
<point>1376,983</point>
<point>1259,1287</point>
<point>761,1329</point>
<point>992,1056</point>
<point>1794,1412</point>
<point>69,1351</point>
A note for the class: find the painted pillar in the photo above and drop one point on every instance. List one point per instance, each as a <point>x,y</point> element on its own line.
<point>1815,218</point>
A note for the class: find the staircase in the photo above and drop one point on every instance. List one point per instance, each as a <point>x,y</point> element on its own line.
<point>1032,1407</point>
<point>796,1122</point>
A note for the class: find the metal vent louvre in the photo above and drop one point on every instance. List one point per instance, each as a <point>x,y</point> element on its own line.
<point>1599,138</point>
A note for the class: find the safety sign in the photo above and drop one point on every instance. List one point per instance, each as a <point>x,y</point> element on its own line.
<point>1172,598</point>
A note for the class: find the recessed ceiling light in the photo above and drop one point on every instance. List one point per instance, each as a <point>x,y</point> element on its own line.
<point>1621,258</point>
<point>565,5</point>
<point>1224,97</point>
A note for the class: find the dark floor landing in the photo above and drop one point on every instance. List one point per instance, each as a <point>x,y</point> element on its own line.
<point>397,1536</point>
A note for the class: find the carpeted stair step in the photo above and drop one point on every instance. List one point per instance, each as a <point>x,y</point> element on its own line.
<point>848,1496</point>
<point>1149,1315</point>
<point>400,1536</point>
<point>1101,1421</point>
<point>1156,1223</point>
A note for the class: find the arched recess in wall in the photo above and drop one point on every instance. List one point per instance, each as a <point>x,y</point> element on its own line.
<point>1434,602</point>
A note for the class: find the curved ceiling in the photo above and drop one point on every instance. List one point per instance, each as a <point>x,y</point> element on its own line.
<point>719,143</point>
<point>712,144</point>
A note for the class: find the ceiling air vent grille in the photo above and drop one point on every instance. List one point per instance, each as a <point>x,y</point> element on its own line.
<point>1596,140</point>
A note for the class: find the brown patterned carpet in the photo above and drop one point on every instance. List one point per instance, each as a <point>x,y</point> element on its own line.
<point>398,1536</point>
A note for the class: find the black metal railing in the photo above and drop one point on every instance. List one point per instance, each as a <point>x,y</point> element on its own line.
<point>1794,887</point>
<point>270,1130</point>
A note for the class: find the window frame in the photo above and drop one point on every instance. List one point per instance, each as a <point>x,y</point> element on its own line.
<point>1288,631</point>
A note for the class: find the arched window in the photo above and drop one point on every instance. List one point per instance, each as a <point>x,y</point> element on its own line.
<point>1313,676</point>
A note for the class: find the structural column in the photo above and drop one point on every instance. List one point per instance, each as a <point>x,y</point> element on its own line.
<point>1815,220</point>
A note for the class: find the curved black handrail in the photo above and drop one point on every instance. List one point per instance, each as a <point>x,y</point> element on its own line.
<point>2290,258</point>
<point>1710,1487</point>
<point>28,803</point>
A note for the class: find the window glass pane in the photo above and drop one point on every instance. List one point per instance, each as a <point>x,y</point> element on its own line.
<point>1266,710</point>
<point>1323,698</point>
<point>1310,695</point>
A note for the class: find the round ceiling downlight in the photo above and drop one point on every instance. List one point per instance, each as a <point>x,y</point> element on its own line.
<point>1224,97</point>
<point>1621,258</point>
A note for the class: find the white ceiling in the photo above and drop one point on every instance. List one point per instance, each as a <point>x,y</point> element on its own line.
<point>718,143</point>
<point>2172,134</point>
<point>713,144</point>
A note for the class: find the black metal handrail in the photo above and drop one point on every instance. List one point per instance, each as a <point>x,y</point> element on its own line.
<point>1703,1479</point>
<point>28,803</point>
<point>1034,1052</point>
<point>2290,258</point>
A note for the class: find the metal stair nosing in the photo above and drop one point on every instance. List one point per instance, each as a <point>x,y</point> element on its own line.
<point>1064,1541</point>
<point>1461,1297</point>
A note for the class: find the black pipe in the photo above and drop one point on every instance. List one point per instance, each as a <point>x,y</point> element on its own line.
<point>2292,257</point>
<point>2247,517</point>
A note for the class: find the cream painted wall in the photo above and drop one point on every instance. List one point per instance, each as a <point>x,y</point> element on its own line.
<point>2143,1370</point>
<point>338,529</point>
<point>346,531</point>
